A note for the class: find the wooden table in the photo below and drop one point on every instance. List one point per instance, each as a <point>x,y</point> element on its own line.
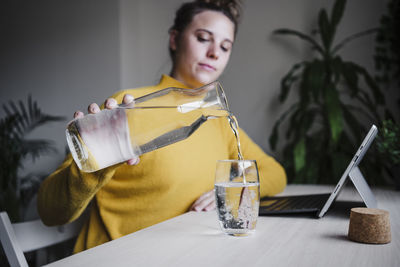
<point>194,239</point>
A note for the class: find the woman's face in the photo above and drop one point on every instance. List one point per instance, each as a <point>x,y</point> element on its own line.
<point>203,48</point>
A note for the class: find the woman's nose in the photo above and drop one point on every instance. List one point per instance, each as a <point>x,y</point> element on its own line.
<point>213,52</point>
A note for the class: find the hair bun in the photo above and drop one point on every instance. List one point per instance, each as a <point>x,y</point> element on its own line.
<point>232,6</point>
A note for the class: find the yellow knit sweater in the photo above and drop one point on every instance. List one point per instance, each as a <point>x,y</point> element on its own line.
<point>164,184</point>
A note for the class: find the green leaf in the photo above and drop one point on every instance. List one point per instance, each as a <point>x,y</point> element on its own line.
<point>299,155</point>
<point>337,13</point>
<point>364,96</point>
<point>379,98</point>
<point>301,122</point>
<point>23,114</point>
<point>294,122</point>
<point>388,143</point>
<point>273,140</point>
<point>325,29</point>
<point>334,113</point>
<point>353,123</point>
<point>314,146</point>
<point>28,121</point>
<point>351,78</point>
<point>365,99</point>
<point>336,65</point>
<point>305,90</point>
<point>315,79</point>
<point>339,46</point>
<point>302,36</point>
<point>36,148</point>
<point>288,80</point>
<point>308,120</point>
<point>20,119</point>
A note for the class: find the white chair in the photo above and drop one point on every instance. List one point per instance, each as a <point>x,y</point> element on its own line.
<point>18,238</point>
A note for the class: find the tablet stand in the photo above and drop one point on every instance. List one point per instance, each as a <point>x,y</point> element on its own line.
<point>362,187</point>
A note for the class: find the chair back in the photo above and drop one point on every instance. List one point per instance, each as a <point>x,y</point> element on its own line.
<point>18,238</point>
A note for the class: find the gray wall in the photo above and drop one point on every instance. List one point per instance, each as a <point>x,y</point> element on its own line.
<point>68,54</point>
<point>65,54</point>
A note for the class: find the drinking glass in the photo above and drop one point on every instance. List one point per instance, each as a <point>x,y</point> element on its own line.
<point>237,196</point>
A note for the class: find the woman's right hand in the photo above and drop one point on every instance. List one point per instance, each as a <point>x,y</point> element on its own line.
<point>110,103</point>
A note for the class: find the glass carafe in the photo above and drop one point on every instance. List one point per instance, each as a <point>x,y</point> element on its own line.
<point>158,119</point>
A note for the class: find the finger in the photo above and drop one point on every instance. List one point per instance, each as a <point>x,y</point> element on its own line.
<point>202,203</point>
<point>110,103</point>
<point>197,204</point>
<point>128,99</point>
<point>78,114</point>
<point>205,195</point>
<point>210,206</point>
<point>134,161</point>
<point>201,198</point>
<point>93,108</point>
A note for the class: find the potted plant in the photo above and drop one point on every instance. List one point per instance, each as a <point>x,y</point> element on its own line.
<point>323,126</point>
<point>16,191</point>
<point>388,145</point>
<point>387,65</point>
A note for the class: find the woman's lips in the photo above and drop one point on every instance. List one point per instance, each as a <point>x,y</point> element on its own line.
<point>207,67</point>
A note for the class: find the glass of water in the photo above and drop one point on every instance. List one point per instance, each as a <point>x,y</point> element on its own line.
<point>237,196</point>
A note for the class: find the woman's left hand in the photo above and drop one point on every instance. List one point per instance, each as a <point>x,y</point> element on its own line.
<point>205,202</point>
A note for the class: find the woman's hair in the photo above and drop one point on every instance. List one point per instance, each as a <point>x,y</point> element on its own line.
<point>184,15</point>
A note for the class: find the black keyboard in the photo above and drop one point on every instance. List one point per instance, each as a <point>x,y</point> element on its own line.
<point>292,204</point>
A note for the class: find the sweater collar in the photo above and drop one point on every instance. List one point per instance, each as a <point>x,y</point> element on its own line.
<point>168,81</point>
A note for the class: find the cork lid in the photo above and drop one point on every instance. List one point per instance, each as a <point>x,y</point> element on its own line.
<point>370,226</point>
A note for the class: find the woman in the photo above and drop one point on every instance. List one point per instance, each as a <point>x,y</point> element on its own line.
<point>171,180</point>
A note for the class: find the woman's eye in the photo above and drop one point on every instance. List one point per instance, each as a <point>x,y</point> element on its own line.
<point>202,39</point>
<point>225,49</point>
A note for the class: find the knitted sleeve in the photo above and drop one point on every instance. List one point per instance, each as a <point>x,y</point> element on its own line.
<point>65,194</point>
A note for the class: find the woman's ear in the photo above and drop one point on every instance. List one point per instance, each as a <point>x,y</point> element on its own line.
<point>173,34</point>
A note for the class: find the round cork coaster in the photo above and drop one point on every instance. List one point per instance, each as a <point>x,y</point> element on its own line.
<point>370,226</point>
